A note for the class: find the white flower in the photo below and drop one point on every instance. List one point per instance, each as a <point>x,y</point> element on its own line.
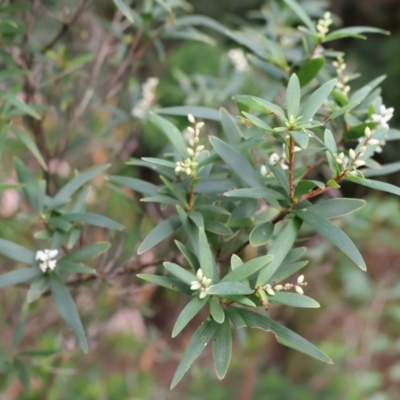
<point>384,116</point>
<point>47,259</point>
<point>201,283</point>
<point>148,98</point>
<point>239,60</point>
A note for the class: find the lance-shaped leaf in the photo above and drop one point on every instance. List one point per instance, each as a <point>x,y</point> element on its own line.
<point>259,123</point>
<point>235,318</point>
<point>247,269</point>
<point>383,170</point>
<point>222,348</point>
<point>70,267</point>
<point>284,335</point>
<point>216,311</point>
<point>125,10</point>
<point>286,270</point>
<point>309,70</point>
<point>205,256</point>
<point>18,276</point>
<point>261,234</point>
<point>67,309</point>
<point>301,14</point>
<point>16,252</point>
<point>293,96</point>
<point>382,186</point>
<point>88,252</point>
<point>334,234</point>
<point>196,111</point>
<point>239,165</point>
<point>167,282</point>
<point>294,300</point>
<point>73,185</point>
<point>159,233</point>
<point>135,184</point>
<point>188,313</point>
<point>230,128</point>
<point>315,101</point>
<point>93,219</point>
<point>197,344</point>
<point>334,208</point>
<point>281,247</point>
<point>229,288</point>
<point>38,286</point>
<point>179,272</point>
<point>171,132</point>
<point>189,255</point>
<point>255,193</point>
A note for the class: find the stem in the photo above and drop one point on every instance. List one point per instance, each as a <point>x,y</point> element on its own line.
<point>191,198</point>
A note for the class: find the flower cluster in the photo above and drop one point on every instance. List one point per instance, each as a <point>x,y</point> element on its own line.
<point>148,98</point>
<point>384,116</point>
<point>189,166</point>
<point>287,286</point>
<point>239,60</point>
<point>341,84</point>
<point>323,24</point>
<point>47,259</point>
<point>201,283</point>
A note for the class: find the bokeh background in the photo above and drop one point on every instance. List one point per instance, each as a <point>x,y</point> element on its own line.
<point>129,324</point>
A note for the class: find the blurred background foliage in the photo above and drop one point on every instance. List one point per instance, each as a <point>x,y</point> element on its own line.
<point>128,323</point>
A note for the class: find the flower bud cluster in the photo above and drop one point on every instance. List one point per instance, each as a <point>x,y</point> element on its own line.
<point>287,286</point>
<point>148,98</point>
<point>47,259</point>
<point>323,24</point>
<point>201,283</point>
<point>341,84</point>
<point>189,166</point>
<point>383,117</point>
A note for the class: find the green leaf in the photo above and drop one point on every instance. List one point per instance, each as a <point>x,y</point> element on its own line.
<point>334,234</point>
<point>216,311</point>
<point>264,106</point>
<point>229,288</point>
<point>135,184</point>
<point>30,145</point>
<point>196,111</point>
<point>159,233</point>
<point>280,248</point>
<point>180,273</point>
<point>247,269</point>
<point>384,170</point>
<point>293,96</point>
<point>294,300</point>
<point>23,107</point>
<point>230,127</point>
<point>30,187</point>
<point>334,208</point>
<point>171,132</point>
<point>354,31</point>
<point>16,252</point>
<point>197,344</point>
<point>284,335</point>
<point>257,122</point>
<point>261,234</point>
<point>67,309</point>
<point>167,282</point>
<point>239,165</point>
<point>382,186</point>
<point>280,175</point>
<point>255,193</point>
<point>217,227</point>
<point>206,258</point>
<point>70,267</point>
<point>93,219</point>
<point>316,100</point>
<point>39,285</point>
<point>87,252</point>
<point>73,185</point>
<point>125,10</point>
<point>18,276</point>
<point>309,70</point>
<point>189,255</point>
<point>301,138</point>
<point>187,314</point>
<point>301,14</point>
<point>222,348</point>
<point>305,186</point>
<point>286,270</point>
<point>341,111</point>
<point>236,319</point>
<point>174,190</point>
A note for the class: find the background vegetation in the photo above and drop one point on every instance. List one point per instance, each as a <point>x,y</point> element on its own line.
<point>89,68</point>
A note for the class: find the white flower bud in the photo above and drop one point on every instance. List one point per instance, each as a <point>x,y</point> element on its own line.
<point>367,132</point>
<point>299,289</point>
<point>359,163</point>
<point>352,153</point>
<point>191,118</point>
<point>277,288</point>
<point>300,279</point>
<point>373,141</point>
